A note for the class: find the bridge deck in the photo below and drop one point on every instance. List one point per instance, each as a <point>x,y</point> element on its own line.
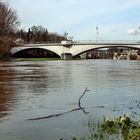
<point>88,42</point>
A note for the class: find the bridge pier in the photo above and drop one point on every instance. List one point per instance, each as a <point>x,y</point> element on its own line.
<point>66,56</point>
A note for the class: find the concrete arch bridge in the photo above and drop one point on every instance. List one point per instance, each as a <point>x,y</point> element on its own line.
<point>69,49</point>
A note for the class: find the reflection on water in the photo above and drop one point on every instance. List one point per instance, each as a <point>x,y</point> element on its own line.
<point>7,95</point>
<point>41,88</point>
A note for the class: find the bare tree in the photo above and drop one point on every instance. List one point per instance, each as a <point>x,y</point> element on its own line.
<point>8,20</point>
<point>8,25</point>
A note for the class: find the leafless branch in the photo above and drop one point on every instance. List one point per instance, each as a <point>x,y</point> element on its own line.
<point>79,102</point>
<point>69,111</point>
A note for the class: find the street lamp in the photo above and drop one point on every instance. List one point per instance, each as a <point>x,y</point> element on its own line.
<point>70,38</point>
<point>97,31</point>
<point>65,35</point>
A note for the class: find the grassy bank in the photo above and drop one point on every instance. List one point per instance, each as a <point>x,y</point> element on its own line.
<point>38,59</point>
<point>122,128</point>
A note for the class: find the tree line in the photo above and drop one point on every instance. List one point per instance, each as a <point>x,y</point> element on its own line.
<point>9,32</point>
<point>39,34</point>
<point>8,25</point>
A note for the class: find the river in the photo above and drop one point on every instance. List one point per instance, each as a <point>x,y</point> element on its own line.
<point>32,89</point>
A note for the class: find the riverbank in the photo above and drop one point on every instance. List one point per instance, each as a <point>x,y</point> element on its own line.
<point>35,59</point>
<point>5,59</point>
<point>40,59</point>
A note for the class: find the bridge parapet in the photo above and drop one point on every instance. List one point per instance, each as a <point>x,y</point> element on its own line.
<point>106,42</point>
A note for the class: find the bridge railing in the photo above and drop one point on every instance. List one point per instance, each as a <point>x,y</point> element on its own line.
<point>106,41</point>
<point>86,42</point>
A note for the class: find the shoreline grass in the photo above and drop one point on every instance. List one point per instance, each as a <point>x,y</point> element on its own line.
<point>37,59</point>
<point>122,128</point>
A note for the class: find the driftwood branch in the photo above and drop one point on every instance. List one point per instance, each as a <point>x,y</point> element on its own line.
<point>56,115</point>
<point>79,102</point>
<point>59,114</point>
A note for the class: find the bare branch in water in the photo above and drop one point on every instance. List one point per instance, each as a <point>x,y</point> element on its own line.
<point>56,115</point>
<point>59,114</point>
<point>79,102</point>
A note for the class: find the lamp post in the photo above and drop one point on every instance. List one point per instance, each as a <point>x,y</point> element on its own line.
<point>97,31</point>
<point>65,35</point>
<point>71,38</point>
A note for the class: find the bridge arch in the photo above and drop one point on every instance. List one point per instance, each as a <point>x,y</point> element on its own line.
<point>55,49</point>
<point>79,49</point>
<point>23,51</point>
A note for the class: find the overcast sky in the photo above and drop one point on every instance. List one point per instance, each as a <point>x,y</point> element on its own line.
<point>116,19</point>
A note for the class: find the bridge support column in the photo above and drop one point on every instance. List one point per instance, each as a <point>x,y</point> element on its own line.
<point>66,56</point>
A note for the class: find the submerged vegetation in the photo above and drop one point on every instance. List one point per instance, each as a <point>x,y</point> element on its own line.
<point>122,128</point>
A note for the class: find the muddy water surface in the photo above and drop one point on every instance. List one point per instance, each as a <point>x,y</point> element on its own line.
<point>41,88</point>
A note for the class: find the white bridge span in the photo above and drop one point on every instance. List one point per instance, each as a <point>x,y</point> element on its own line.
<point>69,49</point>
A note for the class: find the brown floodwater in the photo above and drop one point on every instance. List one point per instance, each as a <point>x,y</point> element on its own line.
<point>34,89</point>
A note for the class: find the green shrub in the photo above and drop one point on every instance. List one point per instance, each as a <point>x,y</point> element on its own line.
<point>122,128</point>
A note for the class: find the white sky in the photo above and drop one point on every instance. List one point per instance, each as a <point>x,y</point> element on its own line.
<point>116,19</point>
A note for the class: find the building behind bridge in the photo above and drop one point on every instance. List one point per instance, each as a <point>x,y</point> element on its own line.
<point>117,54</point>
